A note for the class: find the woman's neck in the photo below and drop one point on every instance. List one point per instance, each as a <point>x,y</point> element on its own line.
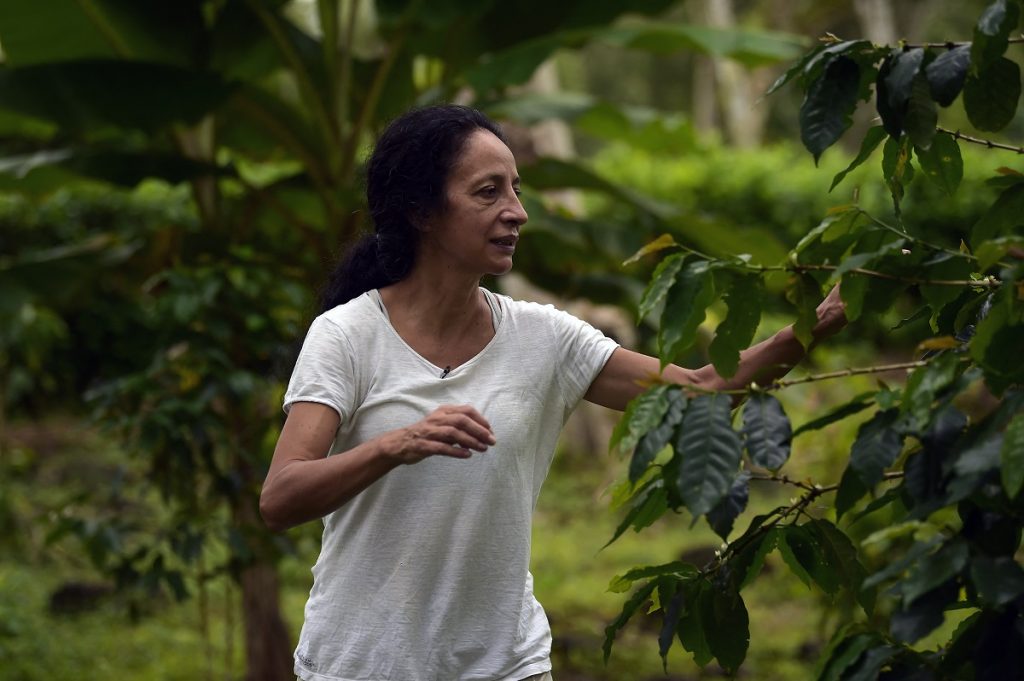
<point>435,303</point>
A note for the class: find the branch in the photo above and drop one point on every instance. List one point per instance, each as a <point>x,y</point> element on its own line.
<point>811,487</point>
<point>951,44</point>
<point>777,385</point>
<point>986,282</point>
<point>983,142</point>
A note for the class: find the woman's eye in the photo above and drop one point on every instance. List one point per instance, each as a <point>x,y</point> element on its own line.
<point>489,191</point>
<point>517,190</point>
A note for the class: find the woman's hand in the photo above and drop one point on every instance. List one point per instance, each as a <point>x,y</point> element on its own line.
<point>831,315</point>
<point>449,430</point>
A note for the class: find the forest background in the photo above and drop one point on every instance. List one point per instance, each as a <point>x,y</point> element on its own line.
<point>175,183</point>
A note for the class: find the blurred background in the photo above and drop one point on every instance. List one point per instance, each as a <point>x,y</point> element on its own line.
<point>177,178</point>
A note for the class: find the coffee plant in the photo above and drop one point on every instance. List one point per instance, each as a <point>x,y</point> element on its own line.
<point>951,481</point>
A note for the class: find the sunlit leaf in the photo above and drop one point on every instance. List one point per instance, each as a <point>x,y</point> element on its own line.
<point>661,243</point>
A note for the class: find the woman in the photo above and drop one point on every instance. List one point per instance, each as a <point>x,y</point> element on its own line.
<point>440,403</point>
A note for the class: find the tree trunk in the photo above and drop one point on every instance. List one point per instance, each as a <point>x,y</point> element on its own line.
<point>738,88</point>
<point>877,20</point>
<point>268,653</point>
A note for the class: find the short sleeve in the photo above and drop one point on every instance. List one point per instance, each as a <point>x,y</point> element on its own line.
<point>325,370</point>
<point>582,353</point>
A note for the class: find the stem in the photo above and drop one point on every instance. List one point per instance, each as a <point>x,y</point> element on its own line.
<point>951,44</point>
<point>895,230</point>
<point>983,142</point>
<point>785,383</point>
<point>987,282</point>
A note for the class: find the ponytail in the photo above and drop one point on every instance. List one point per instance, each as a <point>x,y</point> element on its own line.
<point>375,260</point>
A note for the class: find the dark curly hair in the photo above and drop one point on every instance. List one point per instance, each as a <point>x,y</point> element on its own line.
<point>405,182</point>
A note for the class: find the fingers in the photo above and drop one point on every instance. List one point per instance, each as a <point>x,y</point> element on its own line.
<point>450,430</point>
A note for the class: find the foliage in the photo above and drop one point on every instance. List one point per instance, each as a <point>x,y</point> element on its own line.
<point>947,469</point>
<point>263,110</point>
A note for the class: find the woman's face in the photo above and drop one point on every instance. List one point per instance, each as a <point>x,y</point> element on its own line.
<point>478,228</point>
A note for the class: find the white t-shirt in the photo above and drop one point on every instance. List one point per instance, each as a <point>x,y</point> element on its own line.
<point>424,576</point>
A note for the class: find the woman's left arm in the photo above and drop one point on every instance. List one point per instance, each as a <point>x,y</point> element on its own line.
<point>626,372</point>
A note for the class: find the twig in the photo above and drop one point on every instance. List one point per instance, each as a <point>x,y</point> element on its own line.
<point>951,44</point>
<point>776,385</point>
<point>983,142</point>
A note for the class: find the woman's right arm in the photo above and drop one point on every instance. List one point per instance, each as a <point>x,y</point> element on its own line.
<point>303,483</point>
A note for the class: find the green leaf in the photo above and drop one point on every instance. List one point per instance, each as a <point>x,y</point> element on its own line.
<point>868,666</point>
<point>1012,456</point>
<point>746,565</point>
<point>685,306</point>
<point>872,139</point>
<point>728,629</point>
<point>672,608</point>
<point>801,552</point>
<point>737,330</point>
<point>924,615</point>
<point>804,294</point>
<point>995,347</point>
<point>923,385</point>
<point>828,106</point>
<point>877,445</point>
<point>646,508</point>
<point>845,654</point>
<point>724,514</point>
<point>992,251</point>
<point>709,451</point>
<point>898,565</point>
<point>840,555</point>
<point>767,432</point>
<point>933,570</point>
<point>998,580</point>
<point>639,597</point>
<point>624,582</point>
<point>750,47</point>
<point>992,32</point>
<point>655,439</point>
<point>894,86</point>
<point>643,413</point>
<point>698,603</point>
<point>991,97</point>
<point>662,279</point>
<point>1004,215</point>
<point>854,406</point>
<point>91,95</point>
<point>946,75</point>
<point>922,114</point>
<point>942,162</point>
<point>897,168</point>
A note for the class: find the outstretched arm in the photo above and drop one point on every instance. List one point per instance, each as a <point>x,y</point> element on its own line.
<point>624,375</point>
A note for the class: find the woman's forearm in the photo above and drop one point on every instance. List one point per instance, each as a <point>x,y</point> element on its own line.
<point>304,490</point>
